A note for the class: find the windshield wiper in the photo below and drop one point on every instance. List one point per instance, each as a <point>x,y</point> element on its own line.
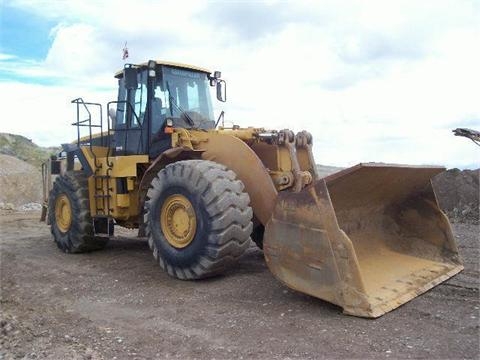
<point>172,101</point>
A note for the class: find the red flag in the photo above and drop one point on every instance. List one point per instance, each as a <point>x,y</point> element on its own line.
<point>125,52</point>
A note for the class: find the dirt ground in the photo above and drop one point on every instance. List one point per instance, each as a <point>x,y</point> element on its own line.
<point>118,304</point>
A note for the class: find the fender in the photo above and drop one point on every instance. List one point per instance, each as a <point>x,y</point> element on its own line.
<point>236,155</point>
<point>165,158</point>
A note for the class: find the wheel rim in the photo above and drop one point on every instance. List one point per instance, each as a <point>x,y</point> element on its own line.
<point>63,213</point>
<point>178,221</point>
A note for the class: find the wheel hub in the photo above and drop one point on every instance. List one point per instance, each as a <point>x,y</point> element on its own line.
<point>63,213</point>
<point>178,221</point>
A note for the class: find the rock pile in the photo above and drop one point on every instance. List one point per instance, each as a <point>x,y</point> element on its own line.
<point>458,194</point>
<point>20,183</point>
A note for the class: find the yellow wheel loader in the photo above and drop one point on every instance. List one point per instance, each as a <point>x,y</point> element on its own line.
<point>368,238</point>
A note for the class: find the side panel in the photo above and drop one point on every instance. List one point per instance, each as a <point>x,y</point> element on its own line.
<point>113,185</point>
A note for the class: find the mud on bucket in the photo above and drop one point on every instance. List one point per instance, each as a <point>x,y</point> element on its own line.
<point>368,238</point>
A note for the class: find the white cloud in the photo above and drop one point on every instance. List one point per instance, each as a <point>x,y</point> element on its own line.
<point>4,57</point>
<point>381,81</point>
<point>43,113</point>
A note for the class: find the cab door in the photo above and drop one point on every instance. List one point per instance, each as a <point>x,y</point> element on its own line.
<point>131,121</point>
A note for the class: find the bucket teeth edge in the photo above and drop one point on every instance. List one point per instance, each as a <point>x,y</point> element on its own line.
<point>381,309</point>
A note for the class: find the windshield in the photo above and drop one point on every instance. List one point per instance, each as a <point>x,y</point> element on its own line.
<point>184,95</point>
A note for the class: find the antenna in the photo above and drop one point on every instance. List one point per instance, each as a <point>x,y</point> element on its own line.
<point>125,52</point>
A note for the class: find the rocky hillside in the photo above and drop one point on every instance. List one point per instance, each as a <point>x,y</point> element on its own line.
<point>20,171</point>
<point>24,149</point>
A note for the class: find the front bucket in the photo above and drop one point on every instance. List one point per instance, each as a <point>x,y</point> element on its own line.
<point>369,238</point>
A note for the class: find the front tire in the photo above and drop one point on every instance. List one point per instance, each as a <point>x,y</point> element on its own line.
<point>198,219</point>
<point>69,215</point>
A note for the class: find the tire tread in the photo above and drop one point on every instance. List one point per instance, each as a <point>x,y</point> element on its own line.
<point>80,238</point>
<point>229,213</point>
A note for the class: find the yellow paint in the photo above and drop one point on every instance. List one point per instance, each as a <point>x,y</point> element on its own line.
<point>63,213</point>
<point>369,238</point>
<point>123,200</point>
<point>94,136</point>
<point>122,206</point>
<point>119,73</point>
<point>178,221</point>
<point>124,166</point>
<point>92,152</point>
<point>130,183</point>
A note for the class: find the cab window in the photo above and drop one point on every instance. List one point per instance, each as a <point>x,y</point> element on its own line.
<point>140,100</point>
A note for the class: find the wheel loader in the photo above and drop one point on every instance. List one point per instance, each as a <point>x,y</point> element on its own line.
<point>368,238</point>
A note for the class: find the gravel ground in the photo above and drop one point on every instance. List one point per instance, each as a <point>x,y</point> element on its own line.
<point>118,304</point>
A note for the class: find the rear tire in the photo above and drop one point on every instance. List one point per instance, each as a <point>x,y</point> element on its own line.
<point>69,215</point>
<point>198,219</point>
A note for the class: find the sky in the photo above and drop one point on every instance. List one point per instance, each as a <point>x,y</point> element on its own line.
<point>382,81</point>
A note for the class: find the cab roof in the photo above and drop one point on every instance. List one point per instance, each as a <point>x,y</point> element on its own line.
<point>119,73</point>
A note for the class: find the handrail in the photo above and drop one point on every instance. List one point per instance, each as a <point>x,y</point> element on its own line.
<point>105,141</point>
<point>80,102</point>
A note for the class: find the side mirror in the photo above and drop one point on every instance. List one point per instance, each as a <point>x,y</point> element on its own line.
<point>215,77</point>
<point>130,77</point>
<point>221,90</point>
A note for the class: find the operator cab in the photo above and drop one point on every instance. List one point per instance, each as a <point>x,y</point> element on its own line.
<point>157,95</point>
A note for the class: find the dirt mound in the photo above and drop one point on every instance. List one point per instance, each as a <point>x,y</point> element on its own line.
<point>20,182</point>
<point>24,149</point>
<point>458,194</point>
